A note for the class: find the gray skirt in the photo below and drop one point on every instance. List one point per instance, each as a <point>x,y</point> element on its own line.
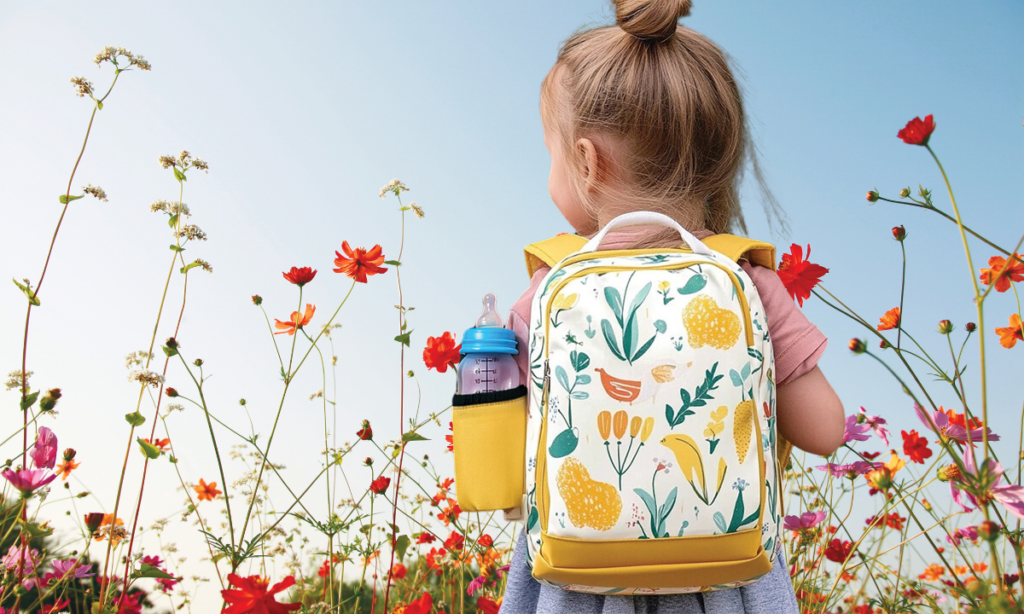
<point>772,594</point>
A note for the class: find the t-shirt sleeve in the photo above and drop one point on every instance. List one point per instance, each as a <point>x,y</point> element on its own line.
<point>519,322</point>
<point>798,343</point>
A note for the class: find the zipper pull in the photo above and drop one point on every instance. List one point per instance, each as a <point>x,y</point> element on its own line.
<point>546,386</point>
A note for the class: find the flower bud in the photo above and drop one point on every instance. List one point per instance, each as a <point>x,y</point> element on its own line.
<point>368,462</point>
<point>171,343</point>
<point>970,327</point>
<point>857,346</point>
<point>257,299</point>
<point>905,192</point>
<point>93,521</point>
<point>241,402</point>
<point>899,233</point>
<point>49,399</point>
<point>926,505</point>
<point>945,327</point>
<point>171,392</point>
<point>365,433</point>
<point>198,362</point>
<point>872,196</point>
<point>69,454</point>
<point>884,344</point>
<point>989,531</point>
<point>949,473</point>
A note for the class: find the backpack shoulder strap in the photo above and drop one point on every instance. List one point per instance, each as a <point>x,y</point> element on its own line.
<point>735,248</point>
<point>551,251</point>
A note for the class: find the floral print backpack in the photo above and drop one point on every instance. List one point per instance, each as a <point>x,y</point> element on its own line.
<point>650,461</point>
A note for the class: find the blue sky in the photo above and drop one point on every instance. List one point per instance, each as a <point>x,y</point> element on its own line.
<point>305,112</point>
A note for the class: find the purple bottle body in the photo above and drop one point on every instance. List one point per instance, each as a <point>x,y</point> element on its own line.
<point>487,372</point>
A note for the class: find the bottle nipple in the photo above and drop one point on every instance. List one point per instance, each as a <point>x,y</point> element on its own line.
<point>490,318</point>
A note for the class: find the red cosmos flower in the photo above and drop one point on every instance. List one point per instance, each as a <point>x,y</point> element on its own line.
<point>915,446</point>
<point>893,521</point>
<point>485,541</point>
<point>451,513</point>
<point>450,439</point>
<point>297,321</point>
<point>380,485</point>
<point>423,605</point>
<point>441,352</point>
<point>365,433</point>
<point>890,320</point>
<point>59,605</point>
<point>838,551</point>
<point>488,606</point>
<point>446,484</point>
<point>799,276</point>
<point>917,132</point>
<point>425,538</point>
<point>1010,335</point>
<point>357,264</point>
<point>433,557</point>
<point>455,541</point>
<point>252,596</point>
<point>300,277</point>
<point>1002,272</point>
<point>398,571</point>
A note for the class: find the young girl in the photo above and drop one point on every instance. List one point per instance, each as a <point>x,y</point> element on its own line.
<point>646,115</point>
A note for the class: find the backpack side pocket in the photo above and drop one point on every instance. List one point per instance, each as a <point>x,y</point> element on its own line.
<point>489,441</point>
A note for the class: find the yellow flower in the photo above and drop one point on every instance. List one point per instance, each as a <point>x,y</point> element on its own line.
<point>634,426</point>
<point>564,301</point>
<point>663,286</point>
<point>604,424</point>
<point>645,432</point>
<point>895,463</point>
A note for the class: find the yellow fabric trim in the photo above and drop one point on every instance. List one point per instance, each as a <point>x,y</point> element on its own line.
<point>572,552</point>
<point>551,251</point>
<point>703,574</point>
<point>489,443</point>
<point>733,247</point>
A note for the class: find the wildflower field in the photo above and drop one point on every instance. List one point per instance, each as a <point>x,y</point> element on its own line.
<point>918,520</point>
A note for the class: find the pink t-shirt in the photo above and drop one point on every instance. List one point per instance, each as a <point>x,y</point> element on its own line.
<point>798,344</point>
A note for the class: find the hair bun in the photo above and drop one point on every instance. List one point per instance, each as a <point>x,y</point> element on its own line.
<point>651,20</point>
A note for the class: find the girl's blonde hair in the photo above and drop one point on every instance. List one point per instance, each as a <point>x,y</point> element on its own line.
<point>666,97</point>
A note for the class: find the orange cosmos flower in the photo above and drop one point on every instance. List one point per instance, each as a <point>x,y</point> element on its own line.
<point>890,320</point>
<point>297,321</point>
<point>300,276</point>
<point>933,572</point>
<point>65,468</point>
<point>206,492</point>
<point>159,444</point>
<point>1010,335</point>
<point>359,263</point>
<point>1002,272</point>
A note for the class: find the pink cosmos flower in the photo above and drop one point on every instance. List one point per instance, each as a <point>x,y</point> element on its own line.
<point>851,470</point>
<point>14,558</point>
<point>28,480</point>
<point>991,474</point>
<point>478,583</point>
<point>969,533</point>
<point>939,421</point>
<point>854,431</point>
<point>66,570</point>
<point>807,520</point>
<point>876,423</point>
<point>44,452</point>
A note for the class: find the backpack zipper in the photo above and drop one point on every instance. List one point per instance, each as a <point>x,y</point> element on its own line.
<point>540,472</point>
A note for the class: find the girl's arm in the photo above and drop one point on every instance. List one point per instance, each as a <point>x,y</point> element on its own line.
<point>810,414</point>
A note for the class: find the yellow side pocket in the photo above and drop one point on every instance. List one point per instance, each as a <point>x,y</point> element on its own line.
<point>489,440</point>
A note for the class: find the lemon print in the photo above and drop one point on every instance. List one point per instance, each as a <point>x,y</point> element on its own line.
<point>590,503</point>
<point>708,324</point>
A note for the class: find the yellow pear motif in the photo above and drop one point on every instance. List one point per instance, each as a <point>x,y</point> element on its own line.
<point>590,503</point>
<point>708,324</point>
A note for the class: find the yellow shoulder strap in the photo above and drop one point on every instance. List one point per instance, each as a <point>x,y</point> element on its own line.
<point>756,252</point>
<point>549,252</point>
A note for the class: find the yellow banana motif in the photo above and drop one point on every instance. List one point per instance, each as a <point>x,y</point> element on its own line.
<point>688,455</point>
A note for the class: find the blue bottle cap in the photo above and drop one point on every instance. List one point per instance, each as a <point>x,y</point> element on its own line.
<point>489,340</point>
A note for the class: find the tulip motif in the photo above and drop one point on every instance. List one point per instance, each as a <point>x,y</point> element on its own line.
<point>615,426</point>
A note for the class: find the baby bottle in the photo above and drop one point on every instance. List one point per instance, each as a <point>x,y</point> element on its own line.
<point>487,364</point>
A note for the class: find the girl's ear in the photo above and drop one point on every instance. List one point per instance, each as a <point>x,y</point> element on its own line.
<point>592,163</point>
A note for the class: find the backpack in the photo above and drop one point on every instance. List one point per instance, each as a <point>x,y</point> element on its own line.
<point>651,454</point>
